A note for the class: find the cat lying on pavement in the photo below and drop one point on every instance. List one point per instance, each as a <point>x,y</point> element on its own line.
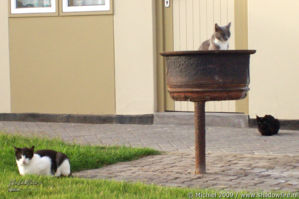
<point>268,125</point>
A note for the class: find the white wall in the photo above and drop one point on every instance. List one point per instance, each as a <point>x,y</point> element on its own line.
<point>274,33</point>
<point>134,56</point>
<point>4,59</point>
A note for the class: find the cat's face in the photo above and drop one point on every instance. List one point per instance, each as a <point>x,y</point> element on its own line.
<point>222,33</point>
<point>259,120</point>
<point>24,155</point>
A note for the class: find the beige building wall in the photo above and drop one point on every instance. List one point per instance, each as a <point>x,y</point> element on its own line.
<point>4,59</point>
<point>134,30</point>
<point>273,32</point>
<point>62,64</point>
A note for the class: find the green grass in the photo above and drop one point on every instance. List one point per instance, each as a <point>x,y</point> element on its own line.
<point>81,157</point>
<point>12,185</point>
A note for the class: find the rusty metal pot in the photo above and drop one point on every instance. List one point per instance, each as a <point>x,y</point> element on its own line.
<point>208,75</point>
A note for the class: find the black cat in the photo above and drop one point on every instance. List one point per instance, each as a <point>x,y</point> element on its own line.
<point>268,125</point>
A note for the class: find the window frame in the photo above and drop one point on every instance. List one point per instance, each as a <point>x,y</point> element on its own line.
<point>86,10</point>
<point>40,11</point>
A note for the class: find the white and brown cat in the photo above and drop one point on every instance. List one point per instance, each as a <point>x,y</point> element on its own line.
<point>219,39</point>
<point>42,162</point>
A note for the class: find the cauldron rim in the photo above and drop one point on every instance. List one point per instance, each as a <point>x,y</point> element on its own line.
<point>204,52</point>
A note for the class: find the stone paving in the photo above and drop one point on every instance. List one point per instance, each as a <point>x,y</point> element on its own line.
<point>237,159</point>
<point>224,171</point>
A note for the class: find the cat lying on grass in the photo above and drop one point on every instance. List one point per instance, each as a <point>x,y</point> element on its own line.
<point>42,162</point>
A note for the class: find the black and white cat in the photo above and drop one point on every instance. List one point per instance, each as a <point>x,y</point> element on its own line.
<point>219,39</point>
<point>42,162</point>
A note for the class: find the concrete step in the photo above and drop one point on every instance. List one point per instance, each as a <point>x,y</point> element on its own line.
<point>237,120</point>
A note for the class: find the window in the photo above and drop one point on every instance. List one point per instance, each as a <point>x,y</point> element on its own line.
<point>86,2</point>
<point>69,6</point>
<point>33,6</point>
<point>24,8</point>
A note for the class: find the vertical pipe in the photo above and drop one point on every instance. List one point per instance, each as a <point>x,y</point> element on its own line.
<point>200,137</point>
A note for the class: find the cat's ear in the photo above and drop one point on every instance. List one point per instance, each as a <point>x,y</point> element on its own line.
<point>217,27</point>
<point>16,149</point>
<point>32,148</point>
<point>258,120</point>
<point>228,25</point>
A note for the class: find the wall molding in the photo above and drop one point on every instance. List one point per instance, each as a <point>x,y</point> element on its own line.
<point>73,118</point>
<point>284,124</point>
